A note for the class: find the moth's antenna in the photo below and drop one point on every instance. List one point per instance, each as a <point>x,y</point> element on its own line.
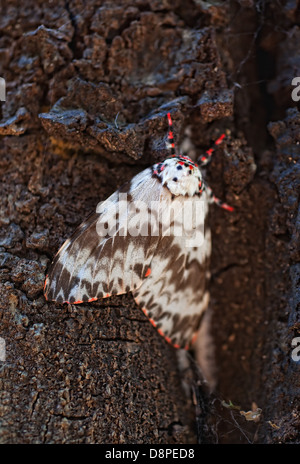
<point>204,159</point>
<point>171,143</point>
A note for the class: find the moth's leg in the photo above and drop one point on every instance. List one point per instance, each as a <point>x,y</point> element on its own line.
<point>213,199</point>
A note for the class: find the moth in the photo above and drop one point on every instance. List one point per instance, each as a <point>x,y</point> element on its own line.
<point>150,238</point>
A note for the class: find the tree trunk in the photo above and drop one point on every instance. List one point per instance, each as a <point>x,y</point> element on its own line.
<point>87,92</point>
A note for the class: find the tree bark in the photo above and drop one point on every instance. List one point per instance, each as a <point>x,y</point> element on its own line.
<point>87,93</point>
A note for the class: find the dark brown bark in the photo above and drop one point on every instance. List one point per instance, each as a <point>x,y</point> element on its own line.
<point>88,89</point>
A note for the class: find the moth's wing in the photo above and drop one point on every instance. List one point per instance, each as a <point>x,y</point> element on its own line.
<point>166,276</point>
<point>174,295</point>
<point>94,264</point>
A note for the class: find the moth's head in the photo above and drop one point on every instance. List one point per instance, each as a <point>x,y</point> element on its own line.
<point>180,175</point>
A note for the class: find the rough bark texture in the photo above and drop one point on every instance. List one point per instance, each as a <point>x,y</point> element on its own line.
<point>88,89</point>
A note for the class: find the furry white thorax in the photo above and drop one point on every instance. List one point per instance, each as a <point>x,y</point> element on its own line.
<point>180,175</point>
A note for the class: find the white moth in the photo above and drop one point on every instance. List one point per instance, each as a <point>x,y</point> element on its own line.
<point>149,238</point>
